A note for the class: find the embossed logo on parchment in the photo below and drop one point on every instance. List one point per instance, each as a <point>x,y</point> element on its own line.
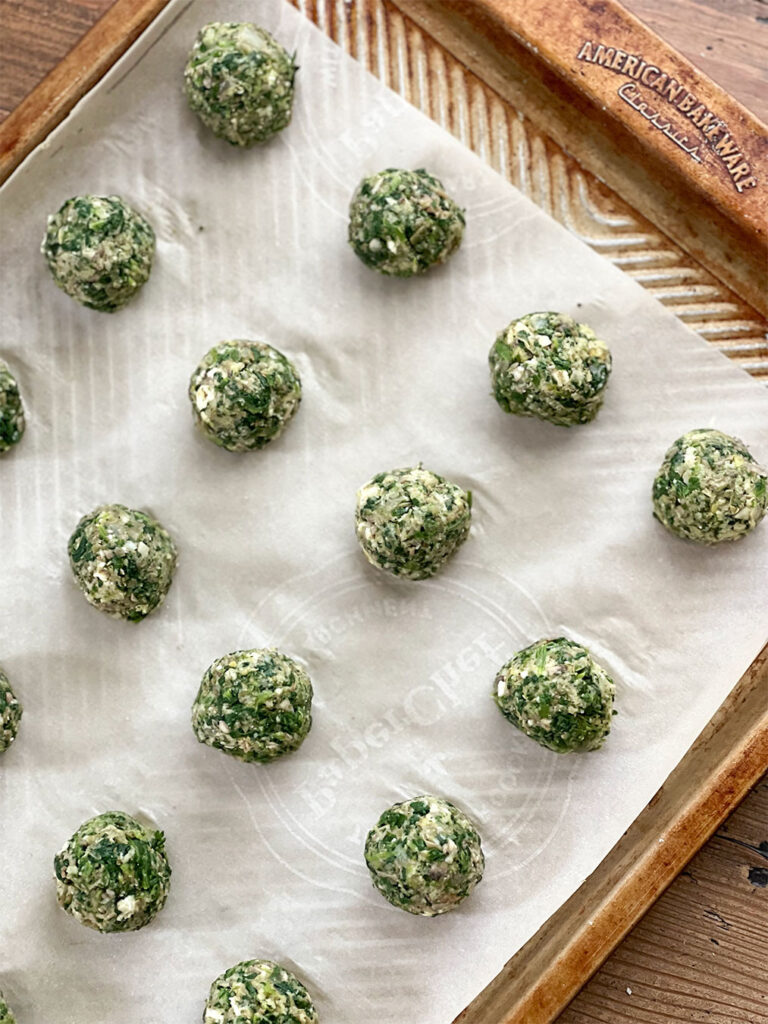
<point>403,677</point>
<point>649,89</point>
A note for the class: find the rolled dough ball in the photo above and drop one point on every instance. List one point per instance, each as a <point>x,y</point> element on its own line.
<point>547,365</point>
<point>99,251</point>
<point>410,521</point>
<point>122,560</point>
<point>11,410</point>
<point>555,692</point>
<point>240,82</point>
<point>258,992</point>
<point>709,488</point>
<point>113,874</point>
<point>243,394</point>
<point>10,713</point>
<point>404,222</point>
<point>424,856</point>
<point>255,705</point>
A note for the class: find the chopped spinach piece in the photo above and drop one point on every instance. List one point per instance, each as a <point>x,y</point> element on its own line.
<point>99,251</point>
<point>10,713</point>
<point>123,560</point>
<point>6,1014</point>
<point>555,692</point>
<point>244,394</point>
<point>255,705</point>
<point>403,222</point>
<point>258,992</point>
<point>409,522</point>
<point>709,488</point>
<point>424,856</point>
<point>240,82</point>
<point>113,874</point>
<point>11,410</point>
<point>547,365</point>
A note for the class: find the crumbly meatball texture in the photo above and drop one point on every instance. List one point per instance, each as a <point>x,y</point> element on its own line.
<point>410,521</point>
<point>244,394</point>
<point>555,692</point>
<point>403,222</point>
<point>6,1015</point>
<point>10,714</point>
<point>424,856</point>
<point>547,365</point>
<point>113,874</point>
<point>255,705</point>
<point>258,992</point>
<point>123,560</point>
<point>11,410</point>
<point>709,488</point>
<point>240,82</point>
<point>99,251</point>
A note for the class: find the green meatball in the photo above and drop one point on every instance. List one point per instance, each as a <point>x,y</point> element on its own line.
<point>99,251</point>
<point>709,488</point>
<point>10,713</point>
<point>410,521</point>
<point>240,82</point>
<point>547,365</point>
<point>243,394</point>
<point>255,705</point>
<point>122,560</point>
<point>555,692</point>
<point>11,410</point>
<point>424,856</point>
<point>404,222</point>
<point>113,874</point>
<point>258,992</point>
<point>6,1014</point>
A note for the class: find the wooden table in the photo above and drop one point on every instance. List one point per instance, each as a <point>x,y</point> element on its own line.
<point>701,953</point>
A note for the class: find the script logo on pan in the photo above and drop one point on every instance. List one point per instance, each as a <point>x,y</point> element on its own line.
<point>403,674</point>
<point>693,128</point>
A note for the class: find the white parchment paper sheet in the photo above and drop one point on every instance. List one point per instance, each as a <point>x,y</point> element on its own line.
<point>268,860</point>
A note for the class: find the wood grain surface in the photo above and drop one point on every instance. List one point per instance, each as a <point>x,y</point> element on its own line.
<point>727,39</point>
<point>699,955</point>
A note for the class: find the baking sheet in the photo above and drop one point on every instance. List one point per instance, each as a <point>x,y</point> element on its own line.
<point>268,860</point>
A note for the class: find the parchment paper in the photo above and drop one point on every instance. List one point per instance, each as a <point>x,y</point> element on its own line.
<point>268,860</point>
